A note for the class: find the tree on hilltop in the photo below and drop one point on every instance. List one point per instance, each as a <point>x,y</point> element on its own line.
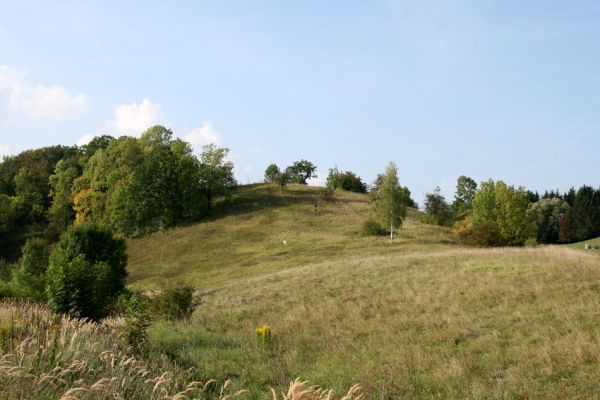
<point>301,171</point>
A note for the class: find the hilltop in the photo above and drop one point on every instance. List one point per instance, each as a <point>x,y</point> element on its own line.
<point>246,237</point>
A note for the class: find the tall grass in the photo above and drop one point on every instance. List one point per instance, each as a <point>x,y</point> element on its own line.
<point>47,357</point>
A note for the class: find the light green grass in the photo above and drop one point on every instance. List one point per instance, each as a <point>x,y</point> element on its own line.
<point>417,318</point>
<point>246,238</point>
<point>581,246</point>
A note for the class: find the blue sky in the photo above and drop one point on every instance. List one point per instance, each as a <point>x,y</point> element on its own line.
<point>490,89</point>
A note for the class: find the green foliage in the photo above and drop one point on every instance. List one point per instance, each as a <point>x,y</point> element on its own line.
<point>515,223</point>
<point>61,213</point>
<point>463,198</point>
<point>481,235</point>
<point>216,172</point>
<point>271,173</point>
<point>345,180</point>
<point>141,185</point>
<point>372,228</point>
<point>506,208</point>
<point>301,171</point>
<point>86,271</point>
<point>389,200</point>
<point>175,302</point>
<point>585,214</point>
<point>134,332</point>
<point>548,213</point>
<point>437,210</point>
<point>484,204</point>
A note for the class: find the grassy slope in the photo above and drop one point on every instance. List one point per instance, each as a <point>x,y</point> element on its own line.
<point>246,237</point>
<point>419,318</point>
<point>581,245</point>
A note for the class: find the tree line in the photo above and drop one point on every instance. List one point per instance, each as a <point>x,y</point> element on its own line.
<point>134,186</point>
<point>497,214</point>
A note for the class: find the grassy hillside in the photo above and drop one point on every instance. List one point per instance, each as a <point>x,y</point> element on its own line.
<point>247,236</point>
<point>417,318</point>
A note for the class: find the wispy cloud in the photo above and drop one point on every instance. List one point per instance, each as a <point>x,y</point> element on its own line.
<point>18,98</point>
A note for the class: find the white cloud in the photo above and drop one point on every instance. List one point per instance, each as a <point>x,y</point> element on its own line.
<point>134,119</point>
<point>202,136</point>
<point>85,139</point>
<point>18,98</point>
<point>4,151</point>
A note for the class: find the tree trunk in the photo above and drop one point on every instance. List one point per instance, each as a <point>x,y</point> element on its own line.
<point>391,231</point>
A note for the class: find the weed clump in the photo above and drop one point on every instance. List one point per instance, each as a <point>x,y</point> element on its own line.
<point>264,335</point>
<point>372,228</point>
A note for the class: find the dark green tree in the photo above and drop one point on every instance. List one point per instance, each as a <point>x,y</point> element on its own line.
<point>61,213</point>
<point>86,272</point>
<point>437,210</point>
<point>463,198</point>
<point>585,213</point>
<point>301,171</point>
<point>548,213</point>
<point>345,180</point>
<point>216,172</point>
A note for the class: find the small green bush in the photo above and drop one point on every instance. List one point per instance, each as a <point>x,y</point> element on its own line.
<point>483,235</point>
<point>372,228</point>
<point>86,272</point>
<point>134,332</point>
<point>175,302</point>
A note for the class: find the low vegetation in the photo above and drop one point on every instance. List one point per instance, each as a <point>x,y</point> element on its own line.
<point>45,357</point>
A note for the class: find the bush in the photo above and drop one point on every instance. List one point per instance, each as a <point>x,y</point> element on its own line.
<point>372,228</point>
<point>483,235</point>
<point>86,272</point>
<point>175,302</point>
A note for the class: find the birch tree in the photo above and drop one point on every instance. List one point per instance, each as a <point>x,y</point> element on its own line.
<point>389,200</point>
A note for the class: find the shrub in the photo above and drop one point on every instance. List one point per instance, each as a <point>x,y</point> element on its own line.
<point>483,235</point>
<point>134,332</point>
<point>372,228</point>
<point>175,302</point>
<point>35,256</point>
<point>86,272</point>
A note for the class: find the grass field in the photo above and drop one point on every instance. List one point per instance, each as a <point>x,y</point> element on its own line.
<point>420,317</point>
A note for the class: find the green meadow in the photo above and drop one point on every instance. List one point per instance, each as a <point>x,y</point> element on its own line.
<point>416,317</point>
